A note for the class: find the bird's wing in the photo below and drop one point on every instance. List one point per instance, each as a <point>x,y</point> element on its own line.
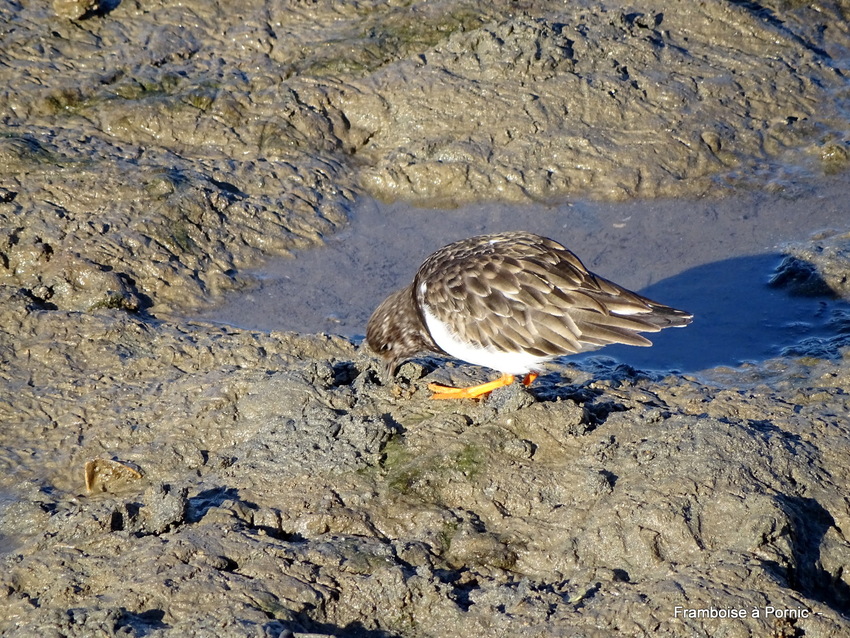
<point>531,294</point>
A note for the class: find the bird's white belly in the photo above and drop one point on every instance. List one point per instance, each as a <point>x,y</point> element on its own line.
<point>516,363</point>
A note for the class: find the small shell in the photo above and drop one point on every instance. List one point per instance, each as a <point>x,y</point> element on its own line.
<point>104,475</point>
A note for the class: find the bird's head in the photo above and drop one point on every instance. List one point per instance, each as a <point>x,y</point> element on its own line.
<point>395,331</point>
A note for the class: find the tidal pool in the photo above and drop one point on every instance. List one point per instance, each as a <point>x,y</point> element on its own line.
<point>713,257</point>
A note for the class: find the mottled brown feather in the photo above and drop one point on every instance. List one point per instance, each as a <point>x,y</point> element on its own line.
<point>514,292</point>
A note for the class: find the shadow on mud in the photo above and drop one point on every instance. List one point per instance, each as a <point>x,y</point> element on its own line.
<point>738,317</point>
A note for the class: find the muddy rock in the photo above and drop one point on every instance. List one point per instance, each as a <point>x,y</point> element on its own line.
<point>78,9</point>
<point>174,165</point>
<point>289,500</point>
<point>601,84</point>
<point>817,267</point>
<point>164,508</point>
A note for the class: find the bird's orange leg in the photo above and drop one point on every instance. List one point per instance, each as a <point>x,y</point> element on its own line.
<point>529,378</point>
<point>474,392</point>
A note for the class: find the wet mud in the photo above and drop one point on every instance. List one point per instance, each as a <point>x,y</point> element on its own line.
<point>169,477</point>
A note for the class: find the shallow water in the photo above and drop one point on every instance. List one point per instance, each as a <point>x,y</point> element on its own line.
<point>711,257</point>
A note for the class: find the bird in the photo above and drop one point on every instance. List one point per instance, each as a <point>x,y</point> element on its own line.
<point>511,302</point>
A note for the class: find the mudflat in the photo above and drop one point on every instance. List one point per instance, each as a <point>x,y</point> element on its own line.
<point>168,476</point>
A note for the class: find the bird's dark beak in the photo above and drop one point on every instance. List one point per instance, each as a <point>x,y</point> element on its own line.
<point>390,368</point>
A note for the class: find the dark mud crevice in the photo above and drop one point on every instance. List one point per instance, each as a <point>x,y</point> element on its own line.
<point>800,278</point>
<point>810,522</point>
<point>352,630</point>
<point>143,623</point>
<point>200,504</point>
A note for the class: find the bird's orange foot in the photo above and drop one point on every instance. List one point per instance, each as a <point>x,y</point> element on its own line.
<point>476,391</point>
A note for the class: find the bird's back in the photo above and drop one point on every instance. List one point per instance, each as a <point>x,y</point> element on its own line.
<point>518,291</point>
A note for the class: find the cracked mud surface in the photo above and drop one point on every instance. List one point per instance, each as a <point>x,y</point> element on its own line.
<point>254,483</point>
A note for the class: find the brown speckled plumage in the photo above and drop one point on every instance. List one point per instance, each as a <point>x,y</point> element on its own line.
<point>396,332</point>
<point>513,292</point>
